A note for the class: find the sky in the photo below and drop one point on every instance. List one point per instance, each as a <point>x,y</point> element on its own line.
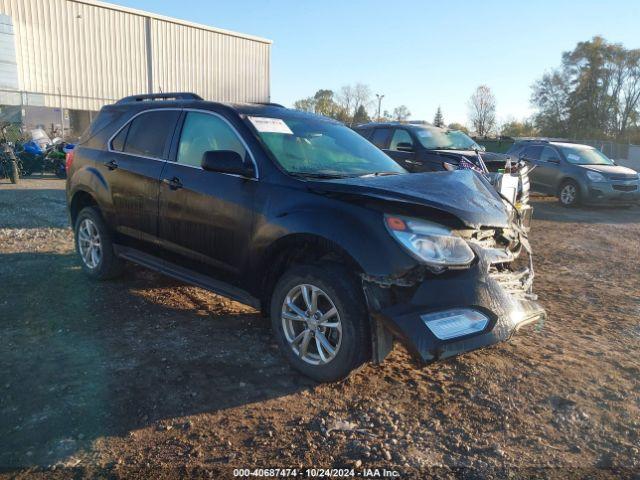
<point>422,54</point>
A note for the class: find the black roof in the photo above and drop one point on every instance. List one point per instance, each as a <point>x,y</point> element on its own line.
<point>192,100</point>
<point>416,126</point>
<point>541,140</point>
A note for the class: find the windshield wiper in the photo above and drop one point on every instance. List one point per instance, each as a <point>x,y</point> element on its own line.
<point>321,175</point>
<point>379,174</point>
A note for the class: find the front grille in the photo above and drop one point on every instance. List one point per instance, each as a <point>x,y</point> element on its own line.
<point>624,177</point>
<point>625,188</point>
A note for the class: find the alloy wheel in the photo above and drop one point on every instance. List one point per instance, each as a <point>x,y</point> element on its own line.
<point>311,324</point>
<point>568,194</point>
<point>89,243</point>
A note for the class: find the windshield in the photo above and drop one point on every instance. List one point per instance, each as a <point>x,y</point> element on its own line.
<point>585,156</point>
<point>316,147</point>
<point>434,138</point>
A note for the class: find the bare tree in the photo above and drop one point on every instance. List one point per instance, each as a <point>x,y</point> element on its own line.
<point>346,99</point>
<point>482,110</point>
<point>362,97</point>
<point>401,113</point>
<point>351,98</point>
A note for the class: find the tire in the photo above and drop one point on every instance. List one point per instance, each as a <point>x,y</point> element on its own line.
<point>351,341</point>
<point>14,173</point>
<point>569,194</point>
<point>106,265</point>
<point>60,170</point>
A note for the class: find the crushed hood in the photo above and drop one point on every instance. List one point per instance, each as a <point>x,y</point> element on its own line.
<point>462,193</point>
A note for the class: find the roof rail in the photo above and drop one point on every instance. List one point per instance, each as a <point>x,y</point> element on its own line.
<point>268,104</point>
<point>159,96</point>
<point>532,139</point>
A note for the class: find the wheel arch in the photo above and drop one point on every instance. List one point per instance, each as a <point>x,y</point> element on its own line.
<point>80,200</point>
<point>565,179</point>
<point>296,249</point>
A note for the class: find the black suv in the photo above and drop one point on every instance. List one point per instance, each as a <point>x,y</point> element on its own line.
<point>299,216</point>
<point>423,147</point>
<point>577,173</point>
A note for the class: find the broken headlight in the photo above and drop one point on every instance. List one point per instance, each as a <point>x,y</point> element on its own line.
<point>429,242</point>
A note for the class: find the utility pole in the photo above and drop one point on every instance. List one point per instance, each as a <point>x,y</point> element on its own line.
<point>379,97</point>
<point>61,115</point>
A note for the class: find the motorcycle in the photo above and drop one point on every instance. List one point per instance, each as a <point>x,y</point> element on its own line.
<point>45,156</point>
<point>10,164</point>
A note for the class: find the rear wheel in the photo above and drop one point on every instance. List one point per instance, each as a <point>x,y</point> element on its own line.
<point>320,321</point>
<point>14,172</point>
<point>569,193</point>
<point>59,169</point>
<point>94,246</point>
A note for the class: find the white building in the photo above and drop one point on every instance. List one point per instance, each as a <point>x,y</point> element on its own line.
<point>61,60</point>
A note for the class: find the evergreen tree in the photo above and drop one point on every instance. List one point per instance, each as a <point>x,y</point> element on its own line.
<point>361,116</point>
<point>438,120</point>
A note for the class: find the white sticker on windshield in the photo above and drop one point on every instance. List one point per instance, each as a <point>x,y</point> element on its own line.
<point>424,133</point>
<point>270,125</point>
<point>573,156</point>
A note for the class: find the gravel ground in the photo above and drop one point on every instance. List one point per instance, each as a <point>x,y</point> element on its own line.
<point>148,377</point>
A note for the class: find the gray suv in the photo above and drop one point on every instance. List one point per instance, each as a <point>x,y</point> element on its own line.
<point>577,173</point>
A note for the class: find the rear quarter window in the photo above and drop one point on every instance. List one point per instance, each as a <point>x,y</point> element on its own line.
<point>149,134</point>
<point>380,137</point>
<point>104,124</point>
<point>365,132</point>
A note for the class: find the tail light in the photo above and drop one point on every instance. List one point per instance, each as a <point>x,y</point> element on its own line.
<point>68,160</point>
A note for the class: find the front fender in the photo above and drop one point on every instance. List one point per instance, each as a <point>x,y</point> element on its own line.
<point>358,231</point>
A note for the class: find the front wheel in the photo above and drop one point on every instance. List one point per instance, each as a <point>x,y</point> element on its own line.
<point>569,194</point>
<point>319,318</point>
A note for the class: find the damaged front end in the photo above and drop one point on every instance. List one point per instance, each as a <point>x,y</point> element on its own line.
<point>441,312</point>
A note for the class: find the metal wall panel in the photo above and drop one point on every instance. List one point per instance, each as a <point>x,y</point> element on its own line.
<point>82,54</point>
<point>214,65</point>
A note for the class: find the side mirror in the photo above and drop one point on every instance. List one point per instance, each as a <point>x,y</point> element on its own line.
<point>404,147</point>
<point>226,161</point>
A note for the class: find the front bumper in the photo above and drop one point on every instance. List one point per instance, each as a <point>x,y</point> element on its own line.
<point>615,192</point>
<point>481,288</point>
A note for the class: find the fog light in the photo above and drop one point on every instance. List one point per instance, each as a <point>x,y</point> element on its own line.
<point>455,323</point>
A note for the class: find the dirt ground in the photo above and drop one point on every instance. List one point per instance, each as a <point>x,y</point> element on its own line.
<point>148,377</point>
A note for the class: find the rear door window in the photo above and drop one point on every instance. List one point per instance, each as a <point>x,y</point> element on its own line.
<point>149,134</point>
<point>380,137</point>
<point>533,152</point>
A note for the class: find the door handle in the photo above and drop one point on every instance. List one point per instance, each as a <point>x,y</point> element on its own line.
<point>174,183</point>
<point>412,162</point>
<point>112,165</point>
